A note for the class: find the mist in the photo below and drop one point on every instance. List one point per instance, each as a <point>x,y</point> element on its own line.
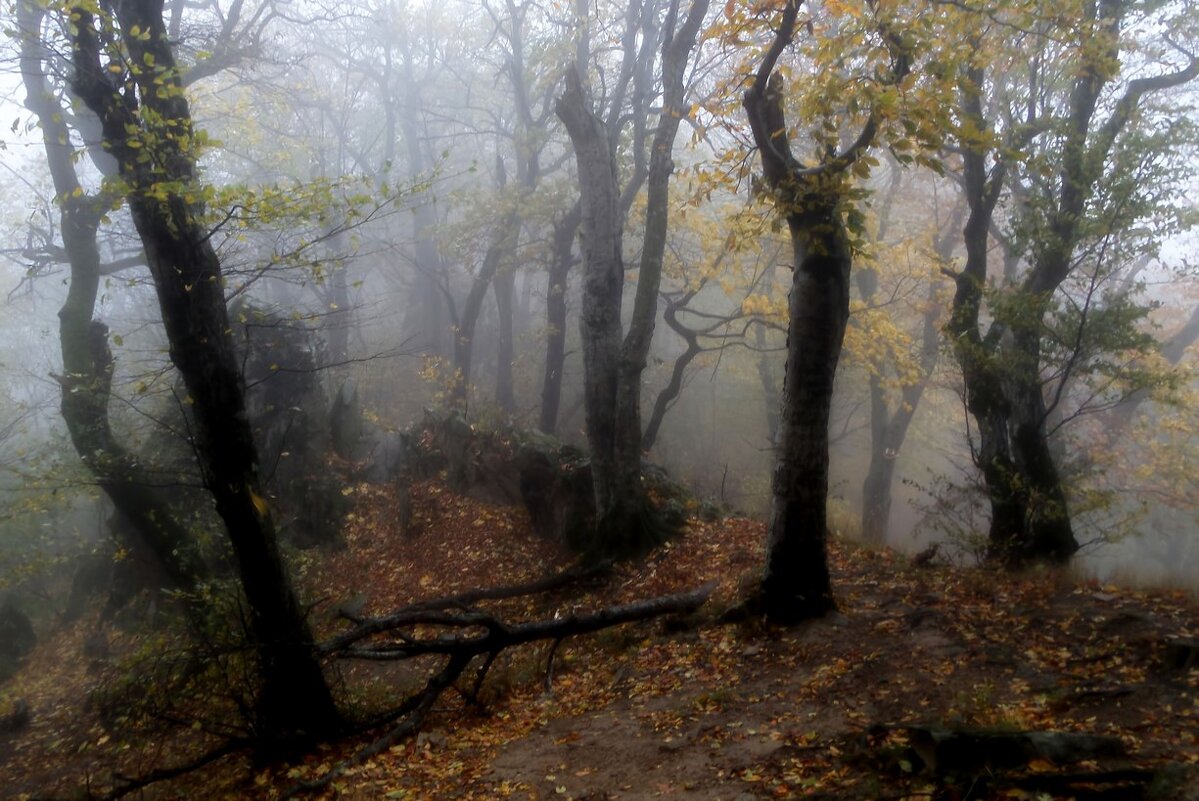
<point>533,235</point>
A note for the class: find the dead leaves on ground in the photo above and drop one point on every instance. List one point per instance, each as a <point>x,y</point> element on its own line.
<point>719,712</point>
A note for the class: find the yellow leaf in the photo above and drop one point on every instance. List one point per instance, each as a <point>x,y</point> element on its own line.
<point>259,504</point>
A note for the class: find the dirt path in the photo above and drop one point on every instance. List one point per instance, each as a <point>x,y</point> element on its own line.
<point>710,712</point>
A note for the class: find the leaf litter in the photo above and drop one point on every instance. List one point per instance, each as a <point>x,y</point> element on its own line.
<point>695,710</point>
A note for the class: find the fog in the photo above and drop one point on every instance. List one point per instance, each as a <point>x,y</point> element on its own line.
<point>384,177</point>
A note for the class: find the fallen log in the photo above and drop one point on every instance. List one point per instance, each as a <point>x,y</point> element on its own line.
<point>468,633</point>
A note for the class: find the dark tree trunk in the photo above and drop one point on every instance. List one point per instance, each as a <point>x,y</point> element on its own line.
<point>796,585</point>
<point>87,361</point>
<point>1004,388</point>
<point>613,367</point>
<point>673,387</point>
<point>294,700</point>
<point>1029,516</point>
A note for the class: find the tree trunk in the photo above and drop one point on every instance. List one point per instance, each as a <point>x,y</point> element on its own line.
<point>765,367</point>
<point>796,583</point>
<point>613,367</point>
<point>425,318</point>
<point>603,286</point>
<point>87,361</point>
<point>1029,516</point>
<point>673,387</point>
<point>876,488</point>
<point>338,316</point>
<point>294,700</point>
<point>889,429</point>
<point>464,335</point>
<point>1047,534</point>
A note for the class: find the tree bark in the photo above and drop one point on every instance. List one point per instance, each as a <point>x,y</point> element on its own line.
<point>1029,518</point>
<point>147,126</point>
<point>603,286</point>
<point>87,361</point>
<point>1030,514</point>
<point>795,585</point>
<point>613,367</point>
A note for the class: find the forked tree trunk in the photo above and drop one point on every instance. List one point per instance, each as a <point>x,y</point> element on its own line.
<point>613,367</point>
<point>86,381</point>
<point>294,700</point>
<point>795,585</point>
<point>1029,516</point>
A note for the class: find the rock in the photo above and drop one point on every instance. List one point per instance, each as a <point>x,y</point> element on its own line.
<point>16,718</point>
<point>92,578</point>
<point>17,637</point>
<point>1182,654</point>
<point>95,645</point>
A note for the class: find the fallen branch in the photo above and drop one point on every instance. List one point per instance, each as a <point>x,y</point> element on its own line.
<point>462,648</point>
<point>124,785</point>
<point>408,615</point>
<point>418,708</point>
<point>496,634</point>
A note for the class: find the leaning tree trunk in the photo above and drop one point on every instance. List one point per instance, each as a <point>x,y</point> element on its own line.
<point>146,131</point>
<point>87,361</point>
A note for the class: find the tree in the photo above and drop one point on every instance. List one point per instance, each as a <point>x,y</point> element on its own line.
<point>126,73</point>
<point>613,366</point>
<point>86,381</point>
<point>889,422</point>
<point>1002,369</point>
<point>814,201</point>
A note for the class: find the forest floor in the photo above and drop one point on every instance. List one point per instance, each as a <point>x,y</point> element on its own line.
<point>696,711</point>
